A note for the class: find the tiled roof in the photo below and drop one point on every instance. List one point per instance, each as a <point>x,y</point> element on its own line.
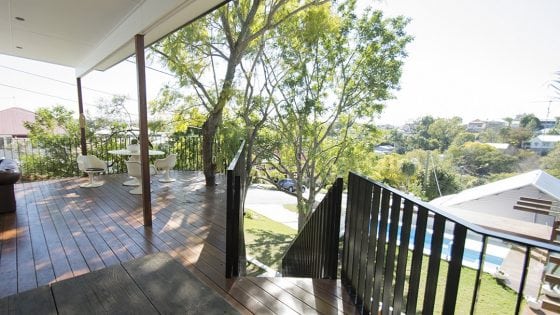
<point>12,119</point>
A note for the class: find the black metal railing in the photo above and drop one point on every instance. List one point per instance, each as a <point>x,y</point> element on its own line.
<point>235,241</point>
<point>314,252</point>
<point>394,255</point>
<point>57,158</point>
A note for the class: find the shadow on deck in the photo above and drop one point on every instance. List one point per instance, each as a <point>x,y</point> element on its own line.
<point>60,231</point>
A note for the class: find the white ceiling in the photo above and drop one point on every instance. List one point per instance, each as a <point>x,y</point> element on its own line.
<point>90,34</point>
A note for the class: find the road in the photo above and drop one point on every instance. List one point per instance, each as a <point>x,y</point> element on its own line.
<point>270,203</point>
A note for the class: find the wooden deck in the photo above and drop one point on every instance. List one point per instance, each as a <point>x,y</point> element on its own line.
<point>60,231</point>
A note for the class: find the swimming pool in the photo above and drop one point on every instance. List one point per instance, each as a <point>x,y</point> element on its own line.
<point>495,253</point>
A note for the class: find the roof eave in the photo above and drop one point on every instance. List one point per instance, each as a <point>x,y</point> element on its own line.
<point>154,20</point>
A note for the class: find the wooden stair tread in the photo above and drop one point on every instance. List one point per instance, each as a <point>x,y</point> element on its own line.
<point>550,305</point>
<point>552,279</point>
<point>555,259</point>
<point>532,210</point>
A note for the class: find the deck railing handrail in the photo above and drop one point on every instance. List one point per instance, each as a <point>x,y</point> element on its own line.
<point>58,157</point>
<point>381,223</point>
<point>314,251</point>
<point>471,226</point>
<point>235,200</point>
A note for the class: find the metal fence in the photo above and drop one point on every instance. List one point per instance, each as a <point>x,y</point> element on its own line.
<point>57,157</point>
<point>403,255</point>
<point>314,252</point>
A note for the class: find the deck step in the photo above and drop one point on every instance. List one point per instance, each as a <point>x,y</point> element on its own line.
<point>555,259</point>
<point>532,210</point>
<point>552,279</point>
<point>551,306</point>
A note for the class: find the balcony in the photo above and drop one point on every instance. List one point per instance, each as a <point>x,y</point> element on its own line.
<point>61,231</point>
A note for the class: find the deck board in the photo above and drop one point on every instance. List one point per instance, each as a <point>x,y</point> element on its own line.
<point>109,290</point>
<point>61,230</point>
<point>36,301</point>
<point>172,290</point>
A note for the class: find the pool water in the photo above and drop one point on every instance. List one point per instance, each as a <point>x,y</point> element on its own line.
<point>495,253</point>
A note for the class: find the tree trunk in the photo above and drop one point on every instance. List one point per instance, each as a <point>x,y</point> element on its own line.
<point>209,129</point>
<point>302,214</point>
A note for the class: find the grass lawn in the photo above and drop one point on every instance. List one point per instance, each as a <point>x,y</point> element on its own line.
<point>494,297</point>
<point>266,240</point>
<point>291,207</point>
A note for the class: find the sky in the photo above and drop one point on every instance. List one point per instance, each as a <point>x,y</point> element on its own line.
<point>473,59</point>
<point>31,84</point>
<point>477,59</point>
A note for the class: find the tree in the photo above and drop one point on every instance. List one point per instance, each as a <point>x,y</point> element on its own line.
<point>438,182</point>
<point>51,122</point>
<point>481,159</point>
<point>409,170</point>
<point>55,132</point>
<point>420,138</point>
<point>463,138</point>
<point>445,130</point>
<point>551,162</point>
<point>388,170</point>
<point>220,40</point>
<point>490,135</point>
<point>110,115</point>
<point>516,136</point>
<point>331,69</point>
<point>530,121</point>
<point>397,139</point>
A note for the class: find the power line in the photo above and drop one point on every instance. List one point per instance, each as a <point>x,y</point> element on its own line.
<point>49,95</point>
<point>40,93</point>
<point>56,80</point>
<point>549,101</point>
<point>154,69</point>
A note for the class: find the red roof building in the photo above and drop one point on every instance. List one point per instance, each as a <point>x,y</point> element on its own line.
<point>12,119</point>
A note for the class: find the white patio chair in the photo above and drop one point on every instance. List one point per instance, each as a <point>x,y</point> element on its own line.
<point>135,170</point>
<point>91,165</point>
<point>164,166</point>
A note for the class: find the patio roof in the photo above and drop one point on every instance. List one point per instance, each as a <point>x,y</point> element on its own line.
<point>90,34</point>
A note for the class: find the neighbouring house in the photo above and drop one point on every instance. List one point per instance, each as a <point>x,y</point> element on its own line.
<point>547,123</point>
<point>542,144</point>
<point>497,200</point>
<point>11,125</point>
<point>11,122</point>
<point>503,147</point>
<point>495,125</point>
<point>476,125</point>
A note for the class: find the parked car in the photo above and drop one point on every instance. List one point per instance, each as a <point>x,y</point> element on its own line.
<point>289,185</point>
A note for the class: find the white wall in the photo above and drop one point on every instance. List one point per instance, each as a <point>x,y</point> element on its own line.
<point>502,205</point>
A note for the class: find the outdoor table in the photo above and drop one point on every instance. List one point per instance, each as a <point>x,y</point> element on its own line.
<point>134,156</point>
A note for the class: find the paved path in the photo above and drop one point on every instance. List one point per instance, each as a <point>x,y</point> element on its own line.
<point>270,203</point>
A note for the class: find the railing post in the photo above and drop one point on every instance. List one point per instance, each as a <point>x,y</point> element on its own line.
<point>454,271</point>
<point>235,194</point>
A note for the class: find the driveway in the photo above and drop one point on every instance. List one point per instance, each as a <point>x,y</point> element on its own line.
<point>270,203</point>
